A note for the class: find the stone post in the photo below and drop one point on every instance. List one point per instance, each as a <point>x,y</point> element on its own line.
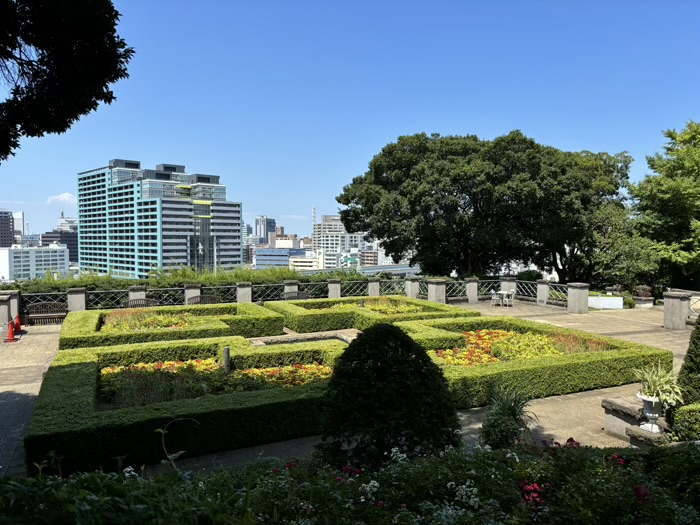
<point>542,292</point>
<point>77,299</point>
<point>507,283</point>
<point>137,292</point>
<point>244,292</point>
<point>676,308</point>
<point>192,290</point>
<point>472,289</point>
<point>334,288</point>
<point>577,300</point>
<point>373,287</point>
<point>291,287</point>
<point>14,302</point>
<point>436,291</point>
<point>5,316</point>
<point>412,285</point>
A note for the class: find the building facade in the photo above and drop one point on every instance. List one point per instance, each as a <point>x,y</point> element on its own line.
<point>275,257</point>
<point>264,226</point>
<point>19,263</point>
<point>68,238</point>
<point>132,220</point>
<point>7,229</point>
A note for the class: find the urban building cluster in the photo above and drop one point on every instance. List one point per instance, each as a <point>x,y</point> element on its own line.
<point>133,220</point>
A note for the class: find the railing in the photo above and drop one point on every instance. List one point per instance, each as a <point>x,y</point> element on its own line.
<point>268,292</point>
<point>228,294</point>
<point>694,307</point>
<point>558,293</point>
<point>105,299</point>
<point>314,290</point>
<point>456,289</point>
<point>486,287</point>
<point>167,296</point>
<point>32,298</point>
<point>354,288</point>
<point>526,289</point>
<point>392,287</point>
<point>422,289</point>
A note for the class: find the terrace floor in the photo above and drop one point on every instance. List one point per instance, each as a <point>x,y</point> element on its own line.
<point>23,363</point>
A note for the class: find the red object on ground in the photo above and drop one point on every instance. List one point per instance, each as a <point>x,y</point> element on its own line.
<point>18,326</point>
<point>10,333</point>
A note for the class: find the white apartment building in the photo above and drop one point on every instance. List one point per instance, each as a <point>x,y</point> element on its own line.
<point>306,263</point>
<point>330,237</point>
<point>20,262</point>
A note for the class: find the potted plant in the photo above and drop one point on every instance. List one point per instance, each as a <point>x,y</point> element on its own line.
<point>659,391</point>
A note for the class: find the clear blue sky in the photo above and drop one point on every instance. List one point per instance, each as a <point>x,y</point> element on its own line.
<point>288,101</point>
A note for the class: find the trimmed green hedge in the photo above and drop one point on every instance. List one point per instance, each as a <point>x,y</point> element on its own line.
<point>686,422</point>
<point>66,420</point>
<point>541,377</point>
<point>309,316</point>
<point>82,329</point>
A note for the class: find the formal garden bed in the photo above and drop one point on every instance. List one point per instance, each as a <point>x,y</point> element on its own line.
<point>100,403</point>
<point>318,315</point>
<point>114,327</point>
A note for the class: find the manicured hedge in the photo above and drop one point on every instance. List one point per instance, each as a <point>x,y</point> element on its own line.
<point>308,316</point>
<point>81,329</point>
<point>541,377</point>
<point>686,422</point>
<point>66,420</point>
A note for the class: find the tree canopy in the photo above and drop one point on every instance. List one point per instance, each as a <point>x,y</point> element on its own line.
<point>668,204</point>
<point>57,61</point>
<point>470,205</point>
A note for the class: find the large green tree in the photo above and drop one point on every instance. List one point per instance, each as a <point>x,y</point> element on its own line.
<point>470,205</point>
<point>668,204</point>
<point>57,61</point>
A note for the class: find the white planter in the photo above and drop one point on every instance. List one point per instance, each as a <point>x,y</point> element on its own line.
<point>605,302</point>
<point>653,410</point>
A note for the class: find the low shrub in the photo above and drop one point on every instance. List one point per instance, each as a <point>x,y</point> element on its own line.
<point>507,419</point>
<point>686,422</point>
<point>628,303</point>
<point>524,346</point>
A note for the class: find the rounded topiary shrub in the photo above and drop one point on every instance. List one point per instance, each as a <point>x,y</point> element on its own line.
<point>689,376</point>
<point>386,393</point>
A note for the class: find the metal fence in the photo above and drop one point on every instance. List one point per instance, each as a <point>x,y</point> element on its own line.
<point>456,289</point>
<point>422,289</point>
<point>392,287</point>
<point>167,296</point>
<point>486,287</point>
<point>558,293</point>
<point>694,307</point>
<point>318,290</point>
<point>228,294</point>
<point>105,299</point>
<point>526,289</point>
<point>354,288</point>
<point>32,298</point>
<point>268,292</point>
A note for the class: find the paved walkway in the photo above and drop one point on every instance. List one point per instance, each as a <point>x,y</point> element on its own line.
<point>576,415</point>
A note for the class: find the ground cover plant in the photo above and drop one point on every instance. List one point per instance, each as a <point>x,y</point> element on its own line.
<point>114,327</point>
<point>548,484</point>
<point>146,383</point>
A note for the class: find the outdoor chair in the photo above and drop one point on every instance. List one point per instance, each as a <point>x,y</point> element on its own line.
<point>508,298</point>
<point>495,298</point>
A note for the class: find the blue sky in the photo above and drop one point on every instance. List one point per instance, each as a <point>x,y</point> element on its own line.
<point>288,101</point>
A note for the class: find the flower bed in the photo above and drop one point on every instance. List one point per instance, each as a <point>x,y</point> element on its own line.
<point>145,383</point>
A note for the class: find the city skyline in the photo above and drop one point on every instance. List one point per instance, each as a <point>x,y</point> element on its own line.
<point>289,102</point>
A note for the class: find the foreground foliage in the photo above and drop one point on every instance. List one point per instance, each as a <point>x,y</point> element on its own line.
<point>552,485</point>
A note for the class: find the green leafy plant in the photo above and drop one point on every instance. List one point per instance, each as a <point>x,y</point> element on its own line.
<point>507,419</point>
<point>628,303</point>
<point>689,376</point>
<point>659,382</point>
<point>524,346</point>
<point>386,393</point>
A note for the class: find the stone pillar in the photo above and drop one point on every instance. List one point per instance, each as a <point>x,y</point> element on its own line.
<point>436,291</point>
<point>373,287</point>
<point>5,315</point>
<point>577,300</point>
<point>676,308</point>
<point>334,288</point>
<point>507,283</point>
<point>244,292</point>
<point>291,286</point>
<point>412,285</point>
<point>542,292</point>
<point>14,303</point>
<point>192,290</point>
<point>472,289</point>
<point>77,299</point>
<point>137,292</point>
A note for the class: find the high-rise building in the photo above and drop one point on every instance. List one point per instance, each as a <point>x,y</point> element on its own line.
<point>7,229</point>
<point>264,226</point>
<point>331,237</point>
<point>68,238</point>
<point>19,262</point>
<point>133,220</point>
<point>67,224</point>
<point>18,217</point>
